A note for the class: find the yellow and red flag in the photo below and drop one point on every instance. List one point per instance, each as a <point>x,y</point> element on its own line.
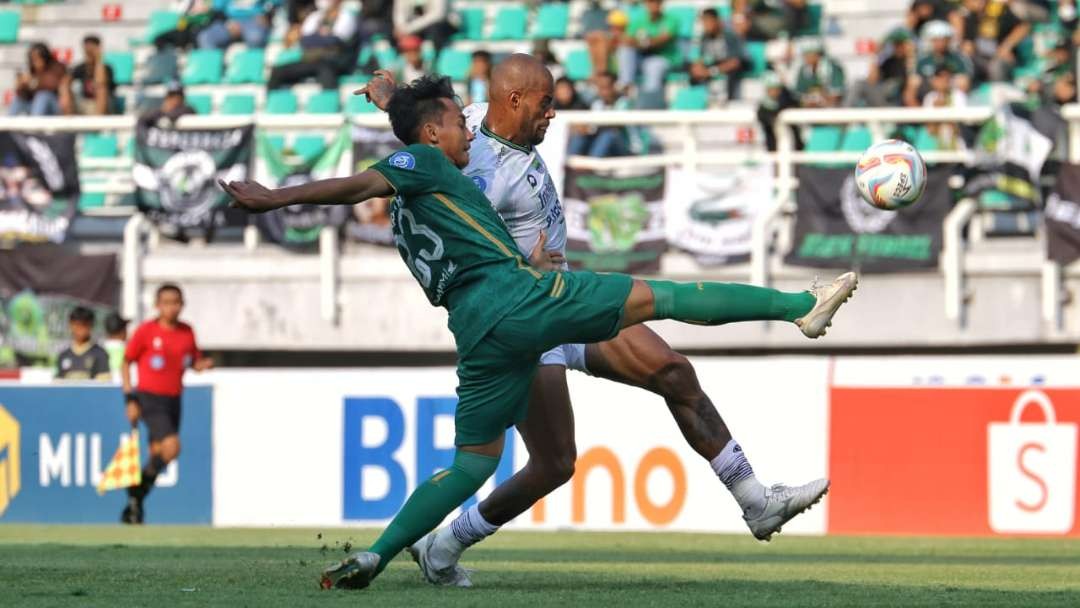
<point>124,470</point>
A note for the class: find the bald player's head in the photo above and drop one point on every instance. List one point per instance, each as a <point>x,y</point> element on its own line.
<point>522,94</point>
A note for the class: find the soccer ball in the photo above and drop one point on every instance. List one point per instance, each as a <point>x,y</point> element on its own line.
<point>891,175</point>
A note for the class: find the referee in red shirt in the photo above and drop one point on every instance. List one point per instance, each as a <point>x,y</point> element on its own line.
<point>162,348</point>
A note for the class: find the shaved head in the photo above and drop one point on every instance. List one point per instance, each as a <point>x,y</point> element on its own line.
<point>521,97</point>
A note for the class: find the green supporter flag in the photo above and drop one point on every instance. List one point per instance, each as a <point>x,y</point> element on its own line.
<point>299,226</point>
<point>836,228</point>
<point>615,220</point>
<point>176,174</point>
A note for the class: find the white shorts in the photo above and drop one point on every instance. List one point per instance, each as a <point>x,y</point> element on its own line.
<point>570,356</point>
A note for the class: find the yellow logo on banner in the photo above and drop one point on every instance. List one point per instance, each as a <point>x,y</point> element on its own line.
<point>9,458</point>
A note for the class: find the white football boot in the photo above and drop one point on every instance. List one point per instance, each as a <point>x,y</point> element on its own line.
<point>829,298</point>
<point>437,554</point>
<point>783,503</point>
<point>354,572</point>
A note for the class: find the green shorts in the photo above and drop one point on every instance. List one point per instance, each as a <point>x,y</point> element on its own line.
<point>494,377</point>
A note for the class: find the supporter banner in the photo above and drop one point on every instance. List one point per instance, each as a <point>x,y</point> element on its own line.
<point>371,220</point>
<point>1010,154</point>
<point>614,220</point>
<point>710,215</point>
<point>39,186</point>
<point>176,174</point>
<point>55,441</point>
<point>1063,216</point>
<point>299,226</point>
<point>57,270</point>
<point>835,228</point>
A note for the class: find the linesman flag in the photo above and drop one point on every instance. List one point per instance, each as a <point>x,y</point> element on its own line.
<point>124,470</point>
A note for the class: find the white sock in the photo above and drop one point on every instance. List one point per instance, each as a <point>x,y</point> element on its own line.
<point>470,527</point>
<point>732,467</point>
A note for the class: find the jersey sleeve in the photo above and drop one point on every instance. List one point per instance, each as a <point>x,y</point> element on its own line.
<point>99,370</point>
<point>415,170</point>
<point>196,354</point>
<point>135,346</point>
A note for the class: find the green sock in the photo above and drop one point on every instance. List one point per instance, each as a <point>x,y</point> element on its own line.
<point>432,501</point>
<point>718,303</point>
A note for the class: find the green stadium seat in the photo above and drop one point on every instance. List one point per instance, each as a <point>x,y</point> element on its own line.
<point>123,66</point>
<point>856,139</point>
<point>161,22</point>
<point>281,102</point>
<point>635,11</point>
<point>356,79</point>
<point>578,64</point>
<point>387,58</point>
<point>100,145</point>
<point>925,141</point>
<point>246,67</point>
<point>204,66</point>
<point>687,17</point>
<point>364,56</point>
<point>309,147</point>
<point>238,104</point>
<point>724,10</point>
<point>677,77</point>
<point>358,104</point>
<point>510,23</point>
<point>691,98</point>
<point>756,52</point>
<point>277,142</point>
<point>324,102</point>
<point>290,55</point>
<point>203,103</point>
<point>9,26</point>
<point>823,139</point>
<point>91,200</point>
<point>453,63</point>
<point>472,24</point>
<point>551,21</point>
<point>814,27</point>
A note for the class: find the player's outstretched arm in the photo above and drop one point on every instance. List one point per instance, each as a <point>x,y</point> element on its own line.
<point>256,198</point>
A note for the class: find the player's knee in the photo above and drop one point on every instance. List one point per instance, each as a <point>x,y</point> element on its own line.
<point>170,449</point>
<point>675,378</point>
<point>560,469</point>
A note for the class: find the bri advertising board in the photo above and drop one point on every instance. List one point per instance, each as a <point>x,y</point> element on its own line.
<point>55,441</point>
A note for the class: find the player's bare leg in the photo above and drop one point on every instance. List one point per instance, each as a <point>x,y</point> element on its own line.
<point>161,454</point>
<point>548,434</point>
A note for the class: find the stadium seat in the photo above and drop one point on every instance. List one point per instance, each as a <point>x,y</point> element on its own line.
<point>724,10</point>
<point>578,64</point>
<point>358,104</point>
<point>756,52</point>
<point>387,58</point>
<point>246,67</point>
<point>9,26</point>
<point>100,145</point>
<point>686,16</point>
<point>856,139</point>
<point>323,102</point>
<point>924,140</point>
<point>453,63</point>
<point>823,139</point>
<point>204,66</point>
<point>472,24</point>
<point>203,104</point>
<point>509,23</point>
<point>91,200</point>
<point>551,21</point>
<point>123,66</point>
<point>691,98</point>
<point>238,104</point>
<point>309,147</point>
<point>814,27</point>
<point>160,67</point>
<point>277,142</point>
<point>281,102</point>
<point>291,55</point>
<point>161,22</point>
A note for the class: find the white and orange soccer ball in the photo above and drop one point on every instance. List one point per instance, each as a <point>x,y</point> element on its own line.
<point>891,175</point>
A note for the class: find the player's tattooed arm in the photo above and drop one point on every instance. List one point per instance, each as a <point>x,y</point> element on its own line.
<point>379,89</point>
<point>256,198</point>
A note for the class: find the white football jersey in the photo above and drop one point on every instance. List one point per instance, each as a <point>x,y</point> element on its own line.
<point>517,183</point>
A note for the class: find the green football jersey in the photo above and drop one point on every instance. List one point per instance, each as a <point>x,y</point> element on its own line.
<point>454,242</point>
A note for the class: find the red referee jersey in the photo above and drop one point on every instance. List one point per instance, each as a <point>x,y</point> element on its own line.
<point>162,355</point>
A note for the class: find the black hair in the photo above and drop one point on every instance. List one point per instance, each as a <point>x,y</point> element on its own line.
<point>710,12</point>
<point>417,103</point>
<point>81,314</point>
<point>609,74</point>
<point>115,324</point>
<point>43,49</point>
<point>168,287</point>
<point>482,54</point>
<point>93,39</point>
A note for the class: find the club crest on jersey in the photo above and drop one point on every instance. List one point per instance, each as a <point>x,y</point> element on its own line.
<point>480,182</point>
<point>403,160</point>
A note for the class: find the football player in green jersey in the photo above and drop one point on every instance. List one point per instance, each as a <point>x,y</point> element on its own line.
<point>503,312</point>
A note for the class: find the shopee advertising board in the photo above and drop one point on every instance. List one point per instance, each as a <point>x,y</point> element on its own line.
<point>346,447</point>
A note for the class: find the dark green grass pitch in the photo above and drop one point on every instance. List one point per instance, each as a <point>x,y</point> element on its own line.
<point>187,566</point>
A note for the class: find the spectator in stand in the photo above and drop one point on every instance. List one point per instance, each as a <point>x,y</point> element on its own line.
<point>991,33</point>
<point>42,90</point>
<point>602,43</point>
<point>429,19</point>
<point>297,10</point>
<point>940,52</point>
<point>923,12</point>
<point>650,45</point>
<point>762,20</point>
<point>329,41</point>
<point>567,98</point>
<point>890,78</point>
<point>247,20</point>
<point>720,53</point>
<point>172,107</point>
<point>84,359</point>
<point>479,77</point>
<point>777,99</point>
<point>94,88</point>
<point>197,16</point>
<point>944,94</point>
<point>412,64</point>
<point>819,82</point>
<point>542,50</point>
<point>609,140</point>
<point>115,342</point>
<point>376,18</point>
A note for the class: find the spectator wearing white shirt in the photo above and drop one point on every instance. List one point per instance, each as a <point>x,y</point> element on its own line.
<point>328,38</point>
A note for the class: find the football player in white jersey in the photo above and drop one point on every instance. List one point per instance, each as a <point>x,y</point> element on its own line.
<point>504,164</point>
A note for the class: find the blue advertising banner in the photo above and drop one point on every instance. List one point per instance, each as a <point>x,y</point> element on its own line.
<point>55,441</point>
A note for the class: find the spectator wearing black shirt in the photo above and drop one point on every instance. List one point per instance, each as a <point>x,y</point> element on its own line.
<point>567,98</point>
<point>991,34</point>
<point>720,53</point>
<point>887,82</point>
<point>83,360</point>
<point>93,87</point>
<point>925,11</point>
<point>172,107</point>
<point>777,99</point>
